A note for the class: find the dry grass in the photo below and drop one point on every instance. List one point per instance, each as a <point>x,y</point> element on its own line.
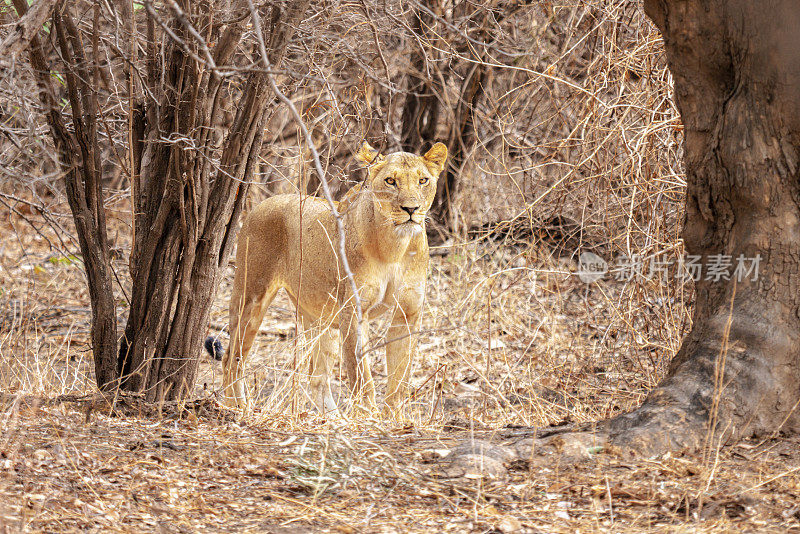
<point>71,461</point>
<point>65,471</point>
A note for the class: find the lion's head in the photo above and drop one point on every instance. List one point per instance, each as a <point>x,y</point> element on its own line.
<point>403,184</point>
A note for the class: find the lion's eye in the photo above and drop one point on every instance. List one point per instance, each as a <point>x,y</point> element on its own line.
<point>390,181</point>
<point>423,180</point>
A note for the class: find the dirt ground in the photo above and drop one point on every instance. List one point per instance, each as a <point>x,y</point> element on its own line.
<point>68,465</point>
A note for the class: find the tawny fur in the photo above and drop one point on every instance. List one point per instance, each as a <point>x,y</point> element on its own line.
<point>387,249</point>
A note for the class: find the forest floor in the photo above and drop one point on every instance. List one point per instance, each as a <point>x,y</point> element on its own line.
<point>510,342</point>
<point>67,465</point>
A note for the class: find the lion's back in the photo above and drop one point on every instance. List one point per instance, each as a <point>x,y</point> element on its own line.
<point>279,217</point>
<point>271,237</point>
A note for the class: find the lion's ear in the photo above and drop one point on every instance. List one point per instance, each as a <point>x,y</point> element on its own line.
<point>436,157</point>
<point>368,155</point>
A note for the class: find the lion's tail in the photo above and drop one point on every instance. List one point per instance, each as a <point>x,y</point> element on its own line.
<point>214,347</point>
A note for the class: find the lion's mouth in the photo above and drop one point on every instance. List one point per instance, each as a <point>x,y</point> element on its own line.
<point>415,218</point>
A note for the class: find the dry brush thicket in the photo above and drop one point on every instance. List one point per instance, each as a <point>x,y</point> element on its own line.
<point>575,147</point>
<point>569,142</point>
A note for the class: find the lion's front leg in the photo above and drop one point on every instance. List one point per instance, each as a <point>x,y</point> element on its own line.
<point>324,347</point>
<point>358,373</point>
<point>400,348</point>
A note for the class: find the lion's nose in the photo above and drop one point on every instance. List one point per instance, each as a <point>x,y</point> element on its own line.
<point>410,209</point>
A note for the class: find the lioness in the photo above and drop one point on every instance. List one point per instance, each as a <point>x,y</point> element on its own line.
<point>387,249</point>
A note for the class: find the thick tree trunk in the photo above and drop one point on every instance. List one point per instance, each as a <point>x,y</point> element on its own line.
<point>736,66</point>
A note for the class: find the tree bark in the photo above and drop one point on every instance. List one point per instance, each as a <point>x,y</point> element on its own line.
<point>422,112</point>
<point>461,142</point>
<point>736,66</point>
<point>26,29</point>
<point>187,191</point>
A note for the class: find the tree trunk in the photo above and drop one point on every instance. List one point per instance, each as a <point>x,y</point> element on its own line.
<point>736,66</point>
<point>186,214</point>
<point>422,112</point>
<point>25,30</point>
<point>79,155</point>
<point>461,142</point>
